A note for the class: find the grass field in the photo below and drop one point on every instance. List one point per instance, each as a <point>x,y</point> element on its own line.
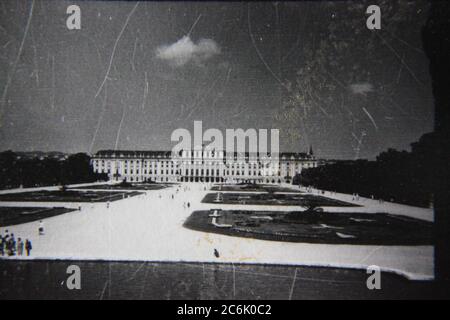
<point>10,216</point>
<point>253,188</point>
<point>276,199</point>
<point>67,196</point>
<point>133,186</point>
<point>316,227</point>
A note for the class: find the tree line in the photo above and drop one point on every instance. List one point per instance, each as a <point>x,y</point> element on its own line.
<point>398,176</point>
<point>18,171</point>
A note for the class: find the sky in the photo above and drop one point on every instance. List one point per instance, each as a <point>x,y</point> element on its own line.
<point>135,72</point>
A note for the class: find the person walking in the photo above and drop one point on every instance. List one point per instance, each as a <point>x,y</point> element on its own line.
<point>28,246</point>
<point>19,247</point>
<point>41,228</point>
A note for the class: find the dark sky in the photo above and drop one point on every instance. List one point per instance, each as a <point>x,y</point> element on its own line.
<point>133,74</point>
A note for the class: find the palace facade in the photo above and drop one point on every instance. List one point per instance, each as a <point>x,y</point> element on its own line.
<point>200,165</point>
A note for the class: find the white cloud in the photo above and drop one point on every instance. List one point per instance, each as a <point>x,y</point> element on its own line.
<point>361,88</point>
<point>185,50</point>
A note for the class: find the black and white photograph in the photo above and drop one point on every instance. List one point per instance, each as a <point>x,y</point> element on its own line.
<point>213,150</point>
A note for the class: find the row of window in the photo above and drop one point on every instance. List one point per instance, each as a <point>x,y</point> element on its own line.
<point>196,172</point>
<point>235,169</point>
<point>232,166</point>
<point>192,172</point>
<point>137,163</point>
<point>145,171</point>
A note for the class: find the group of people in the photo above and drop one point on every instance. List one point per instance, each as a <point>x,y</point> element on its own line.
<point>10,247</point>
<point>185,204</point>
<point>355,197</point>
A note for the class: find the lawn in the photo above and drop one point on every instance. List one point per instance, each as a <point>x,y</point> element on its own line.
<point>316,227</point>
<point>276,199</point>
<point>17,215</point>
<point>127,186</point>
<point>67,196</point>
<point>252,188</point>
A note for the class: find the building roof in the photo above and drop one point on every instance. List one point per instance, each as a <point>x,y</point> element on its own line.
<point>132,154</point>
<point>168,155</point>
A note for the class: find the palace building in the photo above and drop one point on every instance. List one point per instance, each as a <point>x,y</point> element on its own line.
<point>200,165</point>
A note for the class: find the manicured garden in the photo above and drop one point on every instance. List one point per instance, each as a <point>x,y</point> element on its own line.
<point>67,196</point>
<point>251,187</point>
<point>274,199</point>
<point>17,215</point>
<point>314,227</point>
<point>126,186</point>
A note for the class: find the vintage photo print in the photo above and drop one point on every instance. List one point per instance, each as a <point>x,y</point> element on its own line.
<point>204,150</point>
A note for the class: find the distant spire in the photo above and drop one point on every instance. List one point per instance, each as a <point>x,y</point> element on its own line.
<point>310,150</point>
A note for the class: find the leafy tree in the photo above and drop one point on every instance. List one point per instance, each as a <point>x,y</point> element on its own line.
<point>400,176</point>
<point>35,172</point>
